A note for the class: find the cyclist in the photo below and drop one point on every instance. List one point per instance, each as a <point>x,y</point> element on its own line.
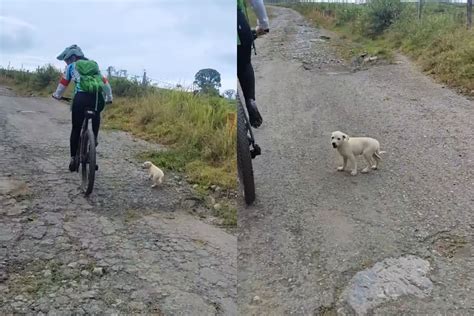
<point>81,99</point>
<point>245,71</point>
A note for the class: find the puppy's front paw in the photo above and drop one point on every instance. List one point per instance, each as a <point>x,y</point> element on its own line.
<point>354,172</point>
<point>340,168</point>
<point>365,170</point>
<point>374,167</point>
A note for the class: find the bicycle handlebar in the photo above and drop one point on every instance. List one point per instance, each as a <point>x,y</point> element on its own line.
<point>255,35</point>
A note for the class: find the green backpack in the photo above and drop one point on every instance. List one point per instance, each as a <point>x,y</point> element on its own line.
<point>91,80</point>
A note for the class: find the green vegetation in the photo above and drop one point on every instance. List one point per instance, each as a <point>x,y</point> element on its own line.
<point>439,42</point>
<point>40,82</point>
<point>195,129</point>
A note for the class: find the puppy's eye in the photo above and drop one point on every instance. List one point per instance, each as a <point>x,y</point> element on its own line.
<point>338,139</point>
<point>332,137</point>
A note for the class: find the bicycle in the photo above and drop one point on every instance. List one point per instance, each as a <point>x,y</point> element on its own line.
<point>247,148</point>
<point>86,154</point>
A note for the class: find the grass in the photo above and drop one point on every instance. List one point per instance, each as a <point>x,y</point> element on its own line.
<point>439,42</point>
<point>229,215</point>
<point>195,129</point>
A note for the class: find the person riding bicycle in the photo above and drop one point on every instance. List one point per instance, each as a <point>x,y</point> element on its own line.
<point>245,39</point>
<point>81,100</point>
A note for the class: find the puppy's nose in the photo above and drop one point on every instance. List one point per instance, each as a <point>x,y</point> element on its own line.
<point>334,145</point>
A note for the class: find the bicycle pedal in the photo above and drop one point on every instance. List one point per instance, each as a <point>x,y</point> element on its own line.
<point>256,151</point>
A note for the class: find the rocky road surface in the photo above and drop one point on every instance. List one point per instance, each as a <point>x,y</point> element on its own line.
<point>395,241</point>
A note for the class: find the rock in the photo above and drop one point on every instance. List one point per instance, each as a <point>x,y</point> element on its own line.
<point>36,231</point>
<point>47,273</point>
<point>85,273</point>
<point>20,298</point>
<point>17,305</point>
<point>189,203</point>
<point>16,210</point>
<point>195,186</point>
<point>73,265</point>
<point>213,187</point>
<point>98,271</point>
<point>256,299</point>
<point>210,200</point>
<point>217,206</point>
<point>3,276</point>
<point>89,294</point>
<point>393,278</point>
<point>137,306</point>
<point>324,37</point>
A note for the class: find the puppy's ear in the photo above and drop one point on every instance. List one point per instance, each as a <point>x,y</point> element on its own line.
<point>345,137</point>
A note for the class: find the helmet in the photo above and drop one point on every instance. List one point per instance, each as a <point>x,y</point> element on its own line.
<point>70,51</point>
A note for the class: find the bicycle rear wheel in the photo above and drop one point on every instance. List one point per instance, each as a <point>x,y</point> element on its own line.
<point>244,159</point>
<point>88,160</point>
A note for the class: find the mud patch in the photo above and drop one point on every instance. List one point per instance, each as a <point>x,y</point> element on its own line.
<point>388,280</point>
<point>12,187</point>
<point>449,245</point>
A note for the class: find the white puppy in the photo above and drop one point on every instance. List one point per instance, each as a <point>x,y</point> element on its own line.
<point>155,173</point>
<point>350,147</point>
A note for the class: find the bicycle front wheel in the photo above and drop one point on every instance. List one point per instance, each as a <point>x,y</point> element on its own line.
<point>244,159</point>
<point>88,161</point>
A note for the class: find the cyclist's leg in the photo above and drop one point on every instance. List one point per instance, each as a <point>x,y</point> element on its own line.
<point>244,51</point>
<point>245,71</point>
<point>77,113</point>
<point>96,126</point>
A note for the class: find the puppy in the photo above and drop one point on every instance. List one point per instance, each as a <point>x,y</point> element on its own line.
<point>155,173</point>
<point>350,147</point>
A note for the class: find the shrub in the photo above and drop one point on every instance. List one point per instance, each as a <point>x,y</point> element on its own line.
<point>379,15</point>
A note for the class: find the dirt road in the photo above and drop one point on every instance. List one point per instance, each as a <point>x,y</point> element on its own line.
<point>126,249</point>
<point>397,240</point>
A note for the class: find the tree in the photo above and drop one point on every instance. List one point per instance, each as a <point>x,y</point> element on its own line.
<point>208,80</point>
<point>229,93</point>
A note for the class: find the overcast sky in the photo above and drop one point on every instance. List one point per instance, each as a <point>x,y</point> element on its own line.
<point>171,39</point>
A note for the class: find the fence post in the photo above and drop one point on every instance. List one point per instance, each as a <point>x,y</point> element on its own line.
<point>469,14</point>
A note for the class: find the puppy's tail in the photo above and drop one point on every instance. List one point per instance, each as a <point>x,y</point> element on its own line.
<point>378,153</point>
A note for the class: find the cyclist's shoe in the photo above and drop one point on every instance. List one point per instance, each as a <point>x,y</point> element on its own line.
<point>72,164</point>
<point>254,115</point>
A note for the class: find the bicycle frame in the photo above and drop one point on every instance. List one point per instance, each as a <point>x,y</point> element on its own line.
<point>247,121</point>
